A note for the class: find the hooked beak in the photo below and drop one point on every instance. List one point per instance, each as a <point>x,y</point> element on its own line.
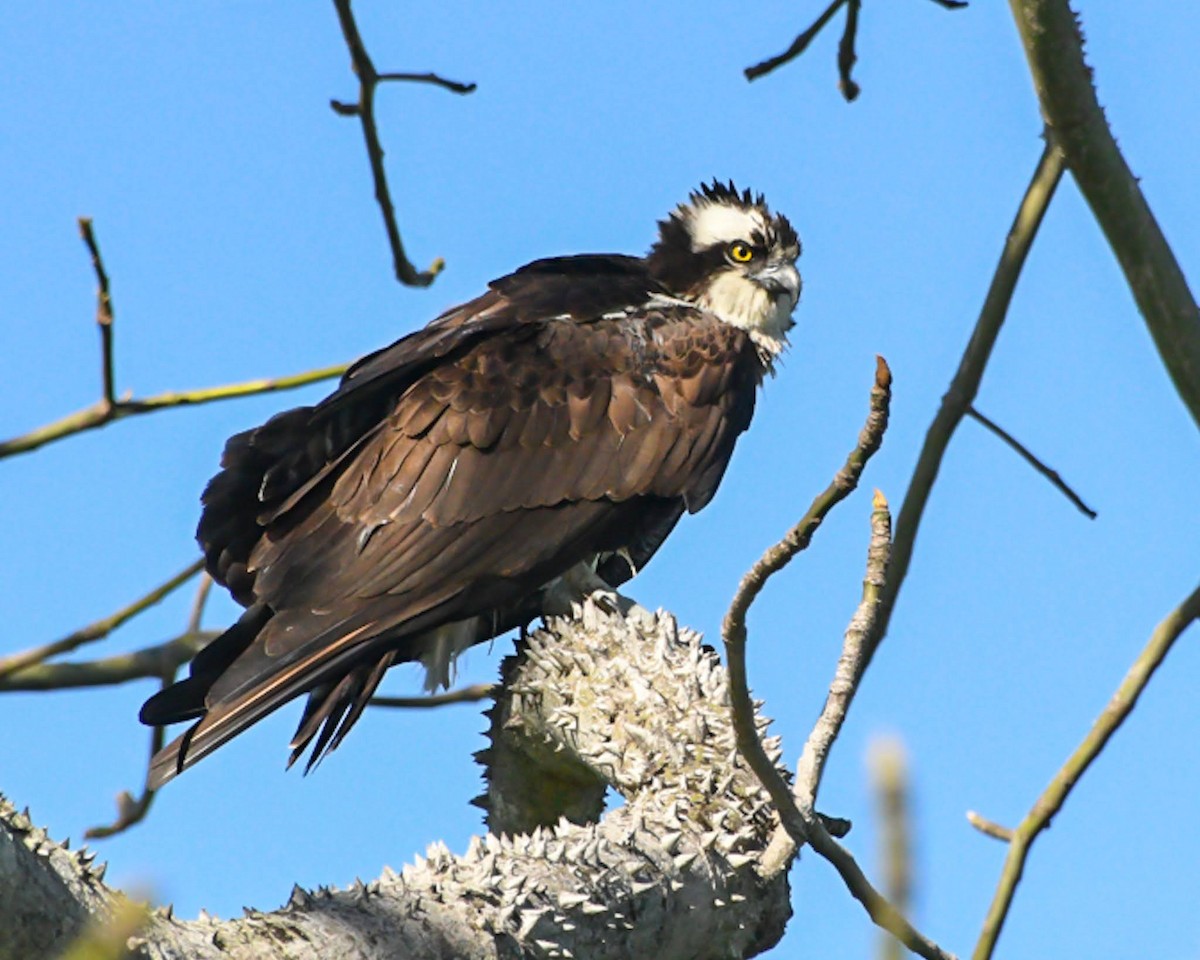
<point>780,276</point>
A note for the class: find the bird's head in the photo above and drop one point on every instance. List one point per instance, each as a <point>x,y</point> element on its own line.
<point>725,252</point>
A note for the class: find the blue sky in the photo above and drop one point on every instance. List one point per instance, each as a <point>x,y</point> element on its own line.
<point>236,218</point>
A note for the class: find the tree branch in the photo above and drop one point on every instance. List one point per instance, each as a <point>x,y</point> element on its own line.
<point>1055,795</point>
<point>1027,455</point>
<point>1054,47</point>
<point>19,662</point>
<point>148,662</point>
<point>104,312</point>
<point>965,384</point>
<point>846,55</point>
<point>101,413</point>
<point>368,79</point>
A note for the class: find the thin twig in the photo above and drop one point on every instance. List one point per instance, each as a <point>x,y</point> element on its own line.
<point>799,45</point>
<point>989,827</point>
<point>149,662</point>
<point>965,384</point>
<point>846,55</point>
<point>453,86</point>
<point>133,810</point>
<point>1052,475</point>
<point>104,312</point>
<point>98,630</point>
<point>471,694</point>
<point>101,414</point>
<point>368,79</point>
<point>1056,793</point>
<point>852,663</point>
<point>778,556</point>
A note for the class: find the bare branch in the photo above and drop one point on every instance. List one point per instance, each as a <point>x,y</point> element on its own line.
<point>150,661</point>
<point>989,827</point>
<point>98,630</point>
<point>778,556</point>
<point>799,819</point>
<point>471,694</point>
<point>1054,47</point>
<point>846,54</point>
<point>965,385</point>
<point>1056,793</point>
<point>368,79</point>
<point>131,810</point>
<point>1052,475</point>
<point>889,776</point>
<point>857,643</point>
<point>799,45</point>
<point>104,312</point>
<point>453,86</point>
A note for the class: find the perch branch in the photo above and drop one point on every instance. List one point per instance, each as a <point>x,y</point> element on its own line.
<point>1054,47</point>
<point>368,79</point>
<point>19,662</point>
<point>965,384</point>
<point>150,661</point>
<point>1055,795</point>
<point>1052,475</point>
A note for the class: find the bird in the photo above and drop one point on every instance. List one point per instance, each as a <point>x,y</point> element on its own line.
<point>540,440</point>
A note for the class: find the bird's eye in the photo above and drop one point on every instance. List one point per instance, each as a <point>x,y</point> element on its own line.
<point>740,252</point>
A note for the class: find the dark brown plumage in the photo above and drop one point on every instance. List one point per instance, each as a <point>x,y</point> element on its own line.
<point>567,416</point>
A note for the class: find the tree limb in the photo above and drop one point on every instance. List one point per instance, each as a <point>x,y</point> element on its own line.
<point>1053,44</point>
<point>19,662</point>
<point>965,384</point>
<point>368,79</point>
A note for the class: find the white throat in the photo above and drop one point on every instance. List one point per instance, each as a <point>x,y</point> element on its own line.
<point>743,303</point>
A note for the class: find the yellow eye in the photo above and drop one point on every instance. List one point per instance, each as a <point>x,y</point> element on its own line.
<point>740,252</point>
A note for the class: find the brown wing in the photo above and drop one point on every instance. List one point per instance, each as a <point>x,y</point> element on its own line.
<point>495,471</point>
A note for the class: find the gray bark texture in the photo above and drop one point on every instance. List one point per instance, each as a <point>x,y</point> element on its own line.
<point>591,702</point>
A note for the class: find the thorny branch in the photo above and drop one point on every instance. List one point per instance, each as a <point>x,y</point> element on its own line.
<point>846,53</point>
<point>1055,795</point>
<point>368,79</point>
<point>1028,456</point>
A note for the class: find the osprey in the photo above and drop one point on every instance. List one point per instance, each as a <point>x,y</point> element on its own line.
<point>551,431</point>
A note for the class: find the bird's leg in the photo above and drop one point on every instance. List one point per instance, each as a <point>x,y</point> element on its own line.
<point>566,595</point>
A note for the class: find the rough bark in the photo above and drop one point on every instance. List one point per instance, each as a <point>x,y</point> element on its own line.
<point>630,702</point>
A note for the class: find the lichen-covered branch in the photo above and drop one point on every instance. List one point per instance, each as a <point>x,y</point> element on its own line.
<point>1055,795</point>
<point>1053,44</point>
